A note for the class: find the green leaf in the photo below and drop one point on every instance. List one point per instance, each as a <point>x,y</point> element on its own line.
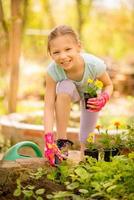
<point>28,193</point>
<point>49,196</point>
<point>96,185</point>
<point>97,195</point>
<point>73,186</point>
<point>40,191</point>
<point>52,175</point>
<point>107,184</point>
<point>17,192</point>
<point>82,173</point>
<point>39,198</point>
<point>18,182</point>
<point>62,194</point>
<point>66,183</point>
<point>77,197</point>
<point>111,188</point>
<point>83,191</point>
<point>30,187</point>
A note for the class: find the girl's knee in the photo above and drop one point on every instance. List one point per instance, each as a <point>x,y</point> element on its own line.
<point>69,88</point>
<point>65,86</point>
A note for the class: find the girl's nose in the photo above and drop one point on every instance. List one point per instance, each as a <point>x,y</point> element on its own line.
<point>63,55</point>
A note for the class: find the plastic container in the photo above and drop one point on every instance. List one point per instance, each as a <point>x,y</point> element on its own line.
<point>13,152</point>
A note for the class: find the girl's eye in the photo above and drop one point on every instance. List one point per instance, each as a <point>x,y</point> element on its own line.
<point>56,52</point>
<point>67,49</point>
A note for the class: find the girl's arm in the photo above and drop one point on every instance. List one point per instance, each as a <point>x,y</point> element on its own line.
<point>107,83</point>
<point>50,96</point>
<point>51,151</point>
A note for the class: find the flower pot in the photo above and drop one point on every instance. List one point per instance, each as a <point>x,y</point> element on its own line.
<point>86,97</point>
<point>93,153</point>
<point>108,153</point>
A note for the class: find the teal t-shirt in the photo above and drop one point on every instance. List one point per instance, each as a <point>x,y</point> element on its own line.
<point>94,67</point>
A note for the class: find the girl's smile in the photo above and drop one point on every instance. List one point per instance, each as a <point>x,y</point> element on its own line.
<point>65,51</point>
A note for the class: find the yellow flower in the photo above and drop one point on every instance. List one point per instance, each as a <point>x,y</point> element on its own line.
<point>91,138</point>
<point>89,81</point>
<point>98,84</point>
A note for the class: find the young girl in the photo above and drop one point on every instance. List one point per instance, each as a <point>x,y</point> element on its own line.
<point>65,80</point>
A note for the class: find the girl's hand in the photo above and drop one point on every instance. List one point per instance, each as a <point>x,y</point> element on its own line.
<point>96,104</point>
<point>51,150</point>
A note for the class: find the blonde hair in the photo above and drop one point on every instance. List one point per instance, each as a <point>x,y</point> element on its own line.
<point>60,31</point>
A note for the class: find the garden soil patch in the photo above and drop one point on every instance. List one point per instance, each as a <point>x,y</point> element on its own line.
<point>10,171</point>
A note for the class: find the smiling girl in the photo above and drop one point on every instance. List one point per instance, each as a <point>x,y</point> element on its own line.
<point>65,80</point>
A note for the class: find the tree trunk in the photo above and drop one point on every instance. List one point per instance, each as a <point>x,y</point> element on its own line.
<point>80,18</point>
<point>83,9</point>
<point>14,53</point>
<point>47,8</point>
<point>3,41</point>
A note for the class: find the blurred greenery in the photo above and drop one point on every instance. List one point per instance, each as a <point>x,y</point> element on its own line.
<point>103,31</point>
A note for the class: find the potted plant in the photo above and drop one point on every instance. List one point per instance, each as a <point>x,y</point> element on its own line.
<point>92,89</point>
<point>92,148</point>
<point>107,143</point>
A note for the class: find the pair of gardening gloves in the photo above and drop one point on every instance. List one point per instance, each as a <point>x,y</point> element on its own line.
<point>96,104</point>
<point>56,152</point>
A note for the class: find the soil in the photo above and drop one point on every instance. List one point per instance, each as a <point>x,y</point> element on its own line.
<point>8,184</point>
<point>6,192</point>
<point>10,171</point>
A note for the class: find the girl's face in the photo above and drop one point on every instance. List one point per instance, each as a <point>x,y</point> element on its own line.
<point>64,50</point>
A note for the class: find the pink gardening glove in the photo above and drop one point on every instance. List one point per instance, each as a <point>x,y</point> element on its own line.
<point>51,150</point>
<point>96,104</point>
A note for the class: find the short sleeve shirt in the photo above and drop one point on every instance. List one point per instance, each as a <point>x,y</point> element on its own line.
<point>94,67</point>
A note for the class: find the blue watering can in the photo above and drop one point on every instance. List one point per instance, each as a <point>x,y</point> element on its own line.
<point>13,152</point>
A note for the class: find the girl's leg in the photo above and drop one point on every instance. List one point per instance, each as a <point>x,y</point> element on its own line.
<point>88,122</point>
<point>63,105</point>
<point>66,93</point>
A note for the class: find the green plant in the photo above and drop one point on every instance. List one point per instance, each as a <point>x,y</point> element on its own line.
<point>38,174</point>
<point>106,141</point>
<point>93,86</point>
<point>119,141</point>
<point>29,191</point>
<point>130,137</point>
<point>125,140</point>
<point>98,180</point>
<point>91,144</point>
